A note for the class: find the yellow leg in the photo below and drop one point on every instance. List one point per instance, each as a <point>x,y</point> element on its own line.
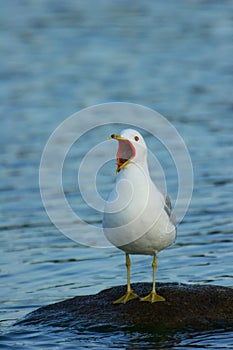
<point>153,296</point>
<point>129,294</point>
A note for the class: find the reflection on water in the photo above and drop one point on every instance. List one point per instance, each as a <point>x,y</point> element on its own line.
<point>58,57</point>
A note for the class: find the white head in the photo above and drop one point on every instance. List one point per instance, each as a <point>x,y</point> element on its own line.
<point>131,149</point>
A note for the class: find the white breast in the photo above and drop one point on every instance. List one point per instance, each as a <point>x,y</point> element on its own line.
<point>135,220</point>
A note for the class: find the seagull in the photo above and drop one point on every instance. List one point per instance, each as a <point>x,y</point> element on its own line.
<point>138,218</point>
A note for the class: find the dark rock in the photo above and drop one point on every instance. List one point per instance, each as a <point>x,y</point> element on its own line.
<point>194,307</point>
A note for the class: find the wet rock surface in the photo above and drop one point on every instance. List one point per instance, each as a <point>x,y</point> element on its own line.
<point>196,307</point>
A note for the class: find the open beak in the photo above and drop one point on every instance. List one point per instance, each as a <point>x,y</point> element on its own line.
<point>125,152</point>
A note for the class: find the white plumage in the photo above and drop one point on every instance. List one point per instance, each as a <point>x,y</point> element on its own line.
<point>138,218</point>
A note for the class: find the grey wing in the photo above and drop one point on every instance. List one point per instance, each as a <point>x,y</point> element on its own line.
<point>168,209</point>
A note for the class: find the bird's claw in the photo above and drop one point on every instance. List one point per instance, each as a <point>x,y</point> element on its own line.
<point>125,298</point>
<point>153,297</point>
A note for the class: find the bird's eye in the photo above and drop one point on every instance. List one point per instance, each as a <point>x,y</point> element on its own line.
<point>136,138</point>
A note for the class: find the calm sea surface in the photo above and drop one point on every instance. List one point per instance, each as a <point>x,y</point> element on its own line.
<point>58,57</point>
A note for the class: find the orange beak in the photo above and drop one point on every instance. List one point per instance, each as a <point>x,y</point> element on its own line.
<point>125,152</point>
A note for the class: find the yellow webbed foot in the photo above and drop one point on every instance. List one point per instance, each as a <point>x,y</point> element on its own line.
<point>127,297</point>
<point>153,297</point>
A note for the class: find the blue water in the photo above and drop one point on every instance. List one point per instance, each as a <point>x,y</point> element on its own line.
<point>59,57</point>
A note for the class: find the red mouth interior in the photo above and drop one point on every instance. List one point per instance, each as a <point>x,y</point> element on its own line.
<point>125,152</point>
